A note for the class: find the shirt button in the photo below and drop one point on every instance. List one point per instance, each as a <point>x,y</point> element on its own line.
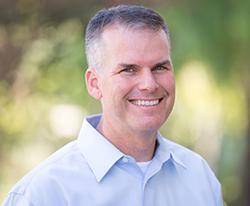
<point>125,159</point>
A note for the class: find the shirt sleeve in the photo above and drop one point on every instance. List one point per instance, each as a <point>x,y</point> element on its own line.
<point>15,199</point>
<point>215,185</point>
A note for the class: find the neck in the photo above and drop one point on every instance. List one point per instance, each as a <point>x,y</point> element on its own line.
<point>140,145</point>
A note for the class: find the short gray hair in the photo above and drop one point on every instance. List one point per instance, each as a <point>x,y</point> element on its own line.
<point>130,16</point>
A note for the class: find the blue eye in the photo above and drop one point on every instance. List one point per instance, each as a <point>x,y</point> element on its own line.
<point>128,70</point>
<point>160,68</point>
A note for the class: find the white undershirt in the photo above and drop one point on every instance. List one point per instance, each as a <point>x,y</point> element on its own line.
<point>143,166</point>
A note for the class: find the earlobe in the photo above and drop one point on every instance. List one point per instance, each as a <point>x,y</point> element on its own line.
<point>92,83</point>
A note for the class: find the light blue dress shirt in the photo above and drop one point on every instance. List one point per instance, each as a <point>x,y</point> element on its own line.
<point>90,171</point>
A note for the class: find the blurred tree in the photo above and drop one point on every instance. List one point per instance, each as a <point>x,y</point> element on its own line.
<point>227,47</point>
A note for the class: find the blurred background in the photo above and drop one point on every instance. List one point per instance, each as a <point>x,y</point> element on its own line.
<point>43,97</point>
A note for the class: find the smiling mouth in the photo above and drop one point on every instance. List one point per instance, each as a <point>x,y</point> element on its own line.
<point>146,103</point>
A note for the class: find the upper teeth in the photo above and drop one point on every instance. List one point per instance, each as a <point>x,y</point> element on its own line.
<point>146,102</point>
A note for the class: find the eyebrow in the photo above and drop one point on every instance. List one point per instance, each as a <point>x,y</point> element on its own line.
<point>167,62</point>
<point>136,66</point>
<point>128,65</point>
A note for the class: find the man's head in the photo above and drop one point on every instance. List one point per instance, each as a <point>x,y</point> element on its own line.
<point>130,69</point>
<point>128,16</point>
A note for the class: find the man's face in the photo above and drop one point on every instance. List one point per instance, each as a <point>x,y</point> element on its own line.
<point>136,82</point>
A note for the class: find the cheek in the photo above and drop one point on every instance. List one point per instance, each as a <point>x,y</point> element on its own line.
<point>168,82</point>
<point>113,92</point>
<point>122,86</point>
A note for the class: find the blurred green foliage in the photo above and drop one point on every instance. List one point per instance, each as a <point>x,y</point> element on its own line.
<point>42,67</point>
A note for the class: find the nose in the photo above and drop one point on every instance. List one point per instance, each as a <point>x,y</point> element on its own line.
<point>147,81</point>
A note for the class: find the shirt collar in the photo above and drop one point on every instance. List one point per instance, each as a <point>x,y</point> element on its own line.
<point>168,150</point>
<point>100,154</point>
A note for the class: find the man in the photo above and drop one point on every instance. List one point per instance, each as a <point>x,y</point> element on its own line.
<point>120,158</point>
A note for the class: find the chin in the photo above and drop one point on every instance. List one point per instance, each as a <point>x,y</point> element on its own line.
<point>150,125</point>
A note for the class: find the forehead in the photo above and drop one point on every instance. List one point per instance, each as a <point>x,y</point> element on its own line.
<point>120,32</point>
<point>135,46</point>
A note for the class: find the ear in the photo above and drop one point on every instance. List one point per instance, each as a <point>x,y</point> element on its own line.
<point>92,82</point>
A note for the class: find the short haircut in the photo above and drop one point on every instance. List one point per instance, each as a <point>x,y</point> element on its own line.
<point>129,16</point>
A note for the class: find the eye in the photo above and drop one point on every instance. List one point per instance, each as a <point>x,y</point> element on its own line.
<point>128,70</point>
<point>160,68</point>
